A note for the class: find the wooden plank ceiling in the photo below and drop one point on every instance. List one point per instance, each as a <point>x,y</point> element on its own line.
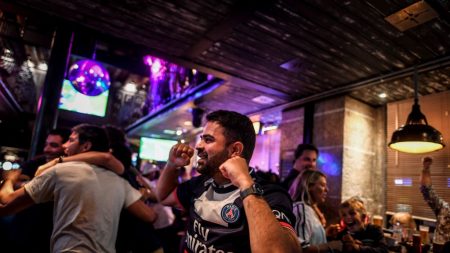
<point>288,50</point>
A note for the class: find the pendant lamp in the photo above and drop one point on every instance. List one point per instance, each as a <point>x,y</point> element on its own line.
<point>416,136</point>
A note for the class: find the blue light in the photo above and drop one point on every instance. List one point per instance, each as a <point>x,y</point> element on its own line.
<point>328,164</point>
<point>406,181</point>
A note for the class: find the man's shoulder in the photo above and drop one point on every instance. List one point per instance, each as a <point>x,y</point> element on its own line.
<point>272,188</point>
<point>193,187</point>
<point>37,161</point>
<point>30,167</point>
<point>75,167</point>
<point>197,181</point>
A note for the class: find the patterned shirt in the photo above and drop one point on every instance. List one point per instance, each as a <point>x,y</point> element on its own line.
<point>441,209</point>
<point>217,217</point>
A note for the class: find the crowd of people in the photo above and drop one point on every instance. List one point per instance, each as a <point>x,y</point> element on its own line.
<point>98,202</point>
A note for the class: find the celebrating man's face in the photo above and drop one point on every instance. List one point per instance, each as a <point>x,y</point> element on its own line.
<point>212,149</point>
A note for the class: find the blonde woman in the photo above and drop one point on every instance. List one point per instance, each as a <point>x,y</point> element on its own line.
<point>308,191</point>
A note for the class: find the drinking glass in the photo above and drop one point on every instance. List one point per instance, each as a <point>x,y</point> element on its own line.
<point>424,231</point>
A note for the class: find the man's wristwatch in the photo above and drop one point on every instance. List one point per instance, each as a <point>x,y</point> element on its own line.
<point>255,189</point>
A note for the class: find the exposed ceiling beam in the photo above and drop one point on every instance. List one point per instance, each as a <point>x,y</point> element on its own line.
<point>239,14</point>
<point>428,66</point>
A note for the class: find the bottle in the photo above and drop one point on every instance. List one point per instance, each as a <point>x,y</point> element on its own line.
<point>397,232</point>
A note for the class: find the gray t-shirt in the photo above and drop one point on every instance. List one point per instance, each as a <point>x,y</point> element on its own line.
<point>87,204</point>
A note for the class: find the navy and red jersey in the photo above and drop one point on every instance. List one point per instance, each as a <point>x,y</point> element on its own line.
<point>217,221</point>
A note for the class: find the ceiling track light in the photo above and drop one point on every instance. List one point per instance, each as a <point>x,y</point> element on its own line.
<point>416,136</point>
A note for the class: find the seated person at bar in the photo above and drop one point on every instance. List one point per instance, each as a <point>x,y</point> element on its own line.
<point>440,207</point>
<point>308,190</point>
<point>405,219</point>
<point>88,199</point>
<point>358,235</point>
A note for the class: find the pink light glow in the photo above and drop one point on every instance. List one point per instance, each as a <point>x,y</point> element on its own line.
<point>148,60</point>
<point>156,66</point>
<point>80,79</point>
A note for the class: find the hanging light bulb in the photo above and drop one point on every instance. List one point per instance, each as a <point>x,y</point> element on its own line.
<point>416,136</point>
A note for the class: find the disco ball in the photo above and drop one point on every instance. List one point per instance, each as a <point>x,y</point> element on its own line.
<point>89,77</point>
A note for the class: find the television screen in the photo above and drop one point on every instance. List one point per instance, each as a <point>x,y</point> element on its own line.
<point>74,101</point>
<point>155,149</point>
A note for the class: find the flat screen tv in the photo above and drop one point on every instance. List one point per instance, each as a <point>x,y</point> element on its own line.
<point>155,149</point>
<point>72,100</point>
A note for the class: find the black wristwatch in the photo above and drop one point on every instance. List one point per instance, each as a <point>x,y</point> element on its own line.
<point>255,189</point>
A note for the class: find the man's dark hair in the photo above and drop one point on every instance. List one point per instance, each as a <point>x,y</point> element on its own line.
<point>302,147</point>
<point>237,127</point>
<point>63,132</point>
<point>95,134</point>
<point>118,144</point>
<point>115,135</point>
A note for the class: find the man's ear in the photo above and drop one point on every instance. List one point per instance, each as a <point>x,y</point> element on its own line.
<point>237,148</point>
<point>87,146</point>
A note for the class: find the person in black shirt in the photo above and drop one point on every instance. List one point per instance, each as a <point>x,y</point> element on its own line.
<point>32,228</point>
<point>305,158</point>
<point>230,209</point>
<point>53,148</point>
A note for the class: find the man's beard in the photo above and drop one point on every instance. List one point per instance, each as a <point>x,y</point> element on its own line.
<point>210,165</point>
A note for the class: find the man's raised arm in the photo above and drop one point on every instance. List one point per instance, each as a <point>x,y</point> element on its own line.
<point>103,159</point>
<point>266,232</point>
<point>425,175</point>
<point>179,156</point>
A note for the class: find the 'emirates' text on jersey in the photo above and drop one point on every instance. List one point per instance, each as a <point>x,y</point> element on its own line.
<point>217,222</point>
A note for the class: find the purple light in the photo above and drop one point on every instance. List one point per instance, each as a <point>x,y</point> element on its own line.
<point>89,77</point>
<point>328,164</point>
<point>148,60</point>
<point>156,67</point>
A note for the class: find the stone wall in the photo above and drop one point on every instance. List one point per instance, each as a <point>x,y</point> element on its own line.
<point>291,129</point>
<point>328,137</point>
<point>350,136</point>
<point>363,165</point>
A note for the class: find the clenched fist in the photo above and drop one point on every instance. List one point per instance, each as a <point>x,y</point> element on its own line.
<point>236,170</point>
<point>180,155</point>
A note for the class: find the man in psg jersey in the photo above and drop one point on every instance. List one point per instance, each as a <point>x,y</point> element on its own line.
<point>230,209</point>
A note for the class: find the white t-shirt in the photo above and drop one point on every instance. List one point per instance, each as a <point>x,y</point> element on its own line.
<point>87,204</point>
<point>308,227</point>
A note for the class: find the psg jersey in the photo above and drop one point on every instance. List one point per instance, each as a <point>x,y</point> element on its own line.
<point>217,222</point>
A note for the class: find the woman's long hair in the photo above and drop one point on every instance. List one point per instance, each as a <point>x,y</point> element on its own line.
<point>299,190</point>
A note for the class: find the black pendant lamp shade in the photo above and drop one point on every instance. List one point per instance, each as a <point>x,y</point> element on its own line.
<point>416,136</point>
